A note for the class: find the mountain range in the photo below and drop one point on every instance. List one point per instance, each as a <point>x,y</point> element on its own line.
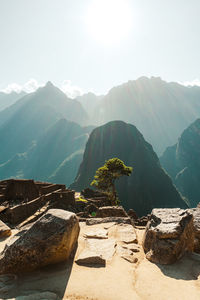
<point>43,134</point>
<point>39,136</point>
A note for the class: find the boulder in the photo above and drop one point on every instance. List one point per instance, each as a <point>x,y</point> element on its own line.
<point>196,221</point>
<point>169,234</point>
<point>111,211</point>
<point>50,240</point>
<point>5,231</point>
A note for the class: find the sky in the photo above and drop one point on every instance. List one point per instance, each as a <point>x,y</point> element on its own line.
<point>93,45</point>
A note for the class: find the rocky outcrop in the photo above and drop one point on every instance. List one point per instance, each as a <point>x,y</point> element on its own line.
<point>169,234</point>
<point>147,187</point>
<point>5,231</point>
<point>182,162</point>
<point>50,240</point>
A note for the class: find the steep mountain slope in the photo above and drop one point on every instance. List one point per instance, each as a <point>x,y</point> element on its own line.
<point>26,121</point>
<point>160,110</point>
<point>89,102</point>
<point>54,157</point>
<point>182,162</point>
<point>7,100</point>
<point>148,186</point>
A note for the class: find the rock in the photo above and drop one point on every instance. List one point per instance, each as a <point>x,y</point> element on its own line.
<point>116,220</point>
<point>142,221</point>
<point>169,234</point>
<point>130,258</point>
<point>196,222</point>
<point>5,231</point>
<point>97,252</point>
<point>132,214</point>
<point>126,234</point>
<point>96,233</point>
<point>89,193</point>
<point>91,208</point>
<point>126,254</point>
<point>50,240</point>
<point>111,211</point>
<point>132,247</point>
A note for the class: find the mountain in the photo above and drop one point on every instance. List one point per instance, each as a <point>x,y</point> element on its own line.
<point>182,162</point>
<point>89,102</point>
<point>25,121</point>
<point>7,100</point>
<point>148,186</point>
<point>160,110</point>
<point>54,157</point>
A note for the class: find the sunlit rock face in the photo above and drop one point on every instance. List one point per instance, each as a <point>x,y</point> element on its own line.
<point>182,162</point>
<point>148,186</point>
<point>169,235</point>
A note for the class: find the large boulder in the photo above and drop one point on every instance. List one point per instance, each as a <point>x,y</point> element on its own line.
<point>196,215</point>
<point>5,231</point>
<point>169,234</point>
<point>50,240</point>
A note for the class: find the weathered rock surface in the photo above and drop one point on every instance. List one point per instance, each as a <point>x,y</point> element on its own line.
<point>169,234</point>
<point>196,223</point>
<point>117,220</point>
<point>111,211</point>
<point>97,251</point>
<point>126,234</point>
<point>50,240</point>
<point>97,233</point>
<point>4,230</point>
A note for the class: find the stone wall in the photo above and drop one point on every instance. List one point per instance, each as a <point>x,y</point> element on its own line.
<point>51,188</point>
<point>21,190</point>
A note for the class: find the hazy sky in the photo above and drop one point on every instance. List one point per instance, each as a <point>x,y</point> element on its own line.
<point>55,40</point>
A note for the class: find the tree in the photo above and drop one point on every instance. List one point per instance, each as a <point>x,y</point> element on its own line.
<point>104,179</point>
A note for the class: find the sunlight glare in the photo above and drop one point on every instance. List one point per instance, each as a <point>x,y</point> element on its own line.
<point>109,21</point>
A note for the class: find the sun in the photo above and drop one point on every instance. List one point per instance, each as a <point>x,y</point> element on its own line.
<point>109,21</point>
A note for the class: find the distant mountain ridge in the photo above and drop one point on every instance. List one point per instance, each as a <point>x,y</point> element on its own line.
<point>182,162</point>
<point>27,119</point>
<point>7,99</point>
<point>159,109</point>
<point>148,186</point>
<point>40,134</point>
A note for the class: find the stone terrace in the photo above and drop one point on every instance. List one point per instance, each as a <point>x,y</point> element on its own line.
<point>20,199</point>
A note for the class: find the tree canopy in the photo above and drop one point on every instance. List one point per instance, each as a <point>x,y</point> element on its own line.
<point>104,179</point>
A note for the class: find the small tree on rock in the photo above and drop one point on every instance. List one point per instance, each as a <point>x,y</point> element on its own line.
<point>104,179</point>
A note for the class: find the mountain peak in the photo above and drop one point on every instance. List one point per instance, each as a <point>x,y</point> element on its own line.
<point>49,84</point>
